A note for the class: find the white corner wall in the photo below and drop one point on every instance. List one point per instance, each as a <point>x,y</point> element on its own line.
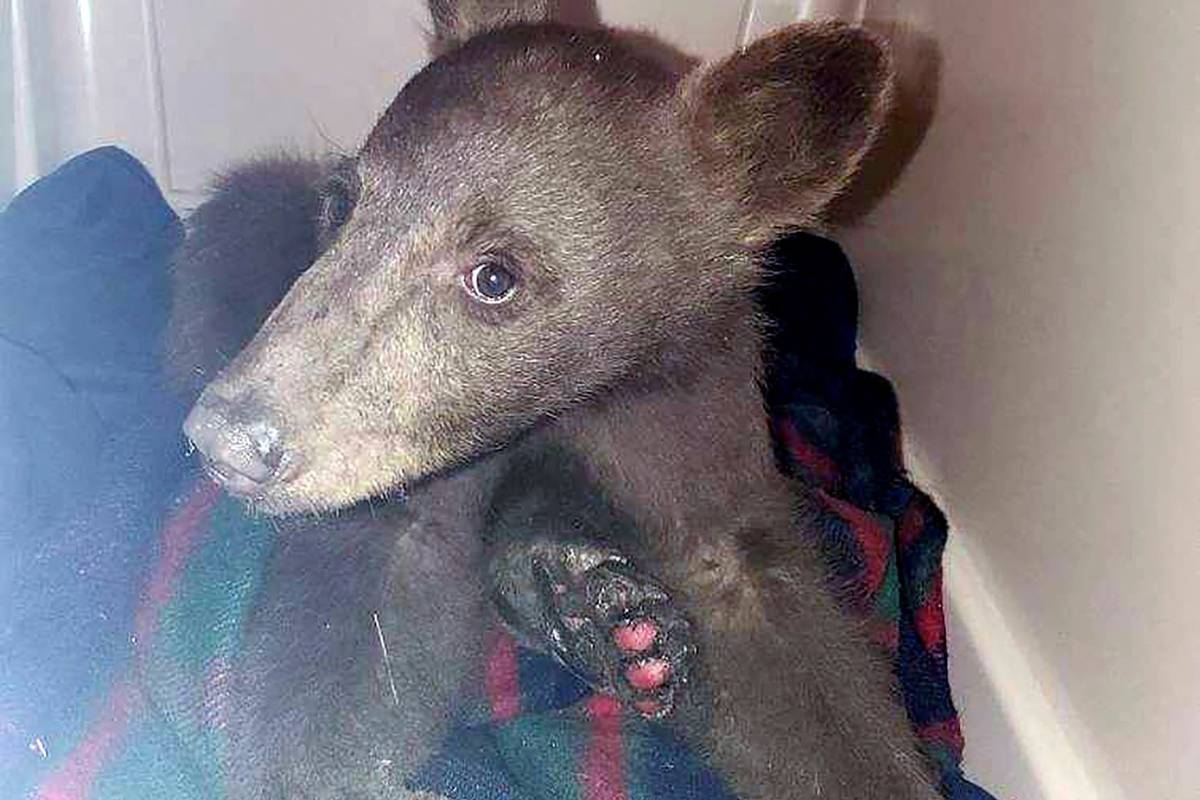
<point>1032,285</point>
<point>189,87</point>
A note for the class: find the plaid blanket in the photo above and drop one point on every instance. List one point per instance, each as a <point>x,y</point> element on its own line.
<point>139,733</point>
<point>548,737</point>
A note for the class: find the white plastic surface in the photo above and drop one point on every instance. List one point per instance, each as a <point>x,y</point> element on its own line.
<point>191,86</point>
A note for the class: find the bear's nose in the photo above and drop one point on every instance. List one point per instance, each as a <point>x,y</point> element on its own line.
<point>240,443</point>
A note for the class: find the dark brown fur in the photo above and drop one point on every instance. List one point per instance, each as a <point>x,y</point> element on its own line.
<point>268,208</point>
<point>317,711</point>
<point>313,715</point>
<point>631,202</point>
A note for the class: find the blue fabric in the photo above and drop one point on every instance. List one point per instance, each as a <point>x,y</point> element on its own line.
<point>90,448</point>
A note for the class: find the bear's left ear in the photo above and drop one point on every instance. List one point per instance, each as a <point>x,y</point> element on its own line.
<point>785,122</point>
<point>455,21</point>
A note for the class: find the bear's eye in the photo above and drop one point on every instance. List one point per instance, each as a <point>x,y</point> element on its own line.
<point>338,195</point>
<point>337,209</point>
<point>337,203</point>
<point>490,281</point>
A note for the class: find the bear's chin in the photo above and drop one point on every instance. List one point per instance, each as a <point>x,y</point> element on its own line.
<point>305,498</point>
<point>292,504</point>
<point>313,482</point>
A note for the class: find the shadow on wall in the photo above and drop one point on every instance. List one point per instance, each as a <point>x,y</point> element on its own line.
<point>918,61</point>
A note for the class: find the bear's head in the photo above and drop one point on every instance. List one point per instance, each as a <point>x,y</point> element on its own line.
<point>543,216</point>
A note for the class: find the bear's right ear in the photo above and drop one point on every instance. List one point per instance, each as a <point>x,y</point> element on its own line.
<point>785,122</point>
<point>455,21</point>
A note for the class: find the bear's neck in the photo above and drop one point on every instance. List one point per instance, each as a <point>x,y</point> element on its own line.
<point>690,455</point>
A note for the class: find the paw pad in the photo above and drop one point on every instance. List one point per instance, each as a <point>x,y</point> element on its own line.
<point>636,637</point>
<point>615,627</point>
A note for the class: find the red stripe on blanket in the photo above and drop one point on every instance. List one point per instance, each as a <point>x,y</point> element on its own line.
<point>948,733</point>
<point>175,545</point>
<point>74,778</point>
<point>604,761</point>
<point>929,619</point>
<point>502,678</point>
<point>873,537</point>
<point>821,467</point>
<point>912,524</point>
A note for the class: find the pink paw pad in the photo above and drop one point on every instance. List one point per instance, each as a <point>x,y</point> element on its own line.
<point>650,674</point>
<point>648,708</point>
<point>636,637</point>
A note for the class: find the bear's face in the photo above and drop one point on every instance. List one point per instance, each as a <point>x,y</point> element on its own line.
<point>513,215</point>
<point>543,216</point>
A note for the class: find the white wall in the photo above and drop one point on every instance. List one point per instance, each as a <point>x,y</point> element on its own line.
<point>1033,287</point>
<point>189,87</point>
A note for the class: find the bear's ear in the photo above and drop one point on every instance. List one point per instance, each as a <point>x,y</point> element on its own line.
<point>455,21</point>
<point>785,122</point>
